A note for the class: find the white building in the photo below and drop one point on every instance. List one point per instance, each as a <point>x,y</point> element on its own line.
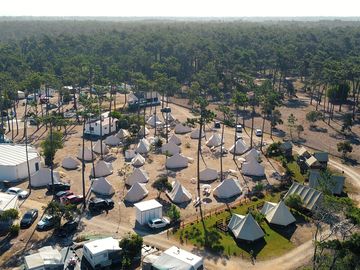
<point>102,252</point>
<point>13,166</point>
<point>148,210</point>
<point>47,258</point>
<point>93,127</point>
<point>176,258</point>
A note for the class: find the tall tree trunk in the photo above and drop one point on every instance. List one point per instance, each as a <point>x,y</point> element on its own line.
<point>144,135</point>
<point>252,127</point>
<point>83,163</point>
<point>27,154</point>
<point>25,116</point>
<point>52,161</point>
<point>221,150</point>
<point>198,157</point>
<point>110,108</point>
<point>16,121</point>
<point>101,134</point>
<point>262,136</point>
<point>236,123</point>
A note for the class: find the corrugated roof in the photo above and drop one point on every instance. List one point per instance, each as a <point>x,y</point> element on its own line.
<point>335,185</point>
<point>309,196</point>
<point>11,155</point>
<point>322,156</point>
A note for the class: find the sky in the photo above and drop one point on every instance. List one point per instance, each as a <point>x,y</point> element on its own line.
<point>181,8</point>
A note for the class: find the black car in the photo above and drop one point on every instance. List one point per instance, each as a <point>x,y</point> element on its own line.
<point>58,187</point>
<point>29,218</point>
<point>97,204</point>
<point>68,228</point>
<point>217,124</point>
<point>166,110</point>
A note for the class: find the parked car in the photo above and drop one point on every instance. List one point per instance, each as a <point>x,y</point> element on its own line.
<point>166,110</point>
<point>56,187</point>
<point>22,194</point>
<point>28,218</point>
<point>258,132</point>
<point>98,204</point>
<point>157,223</point>
<point>47,222</point>
<point>60,194</point>
<point>72,199</point>
<point>239,128</point>
<point>33,122</point>
<point>217,124</point>
<point>69,114</point>
<point>68,228</point>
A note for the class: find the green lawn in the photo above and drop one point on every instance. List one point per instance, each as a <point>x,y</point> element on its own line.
<point>274,244</point>
<point>295,169</point>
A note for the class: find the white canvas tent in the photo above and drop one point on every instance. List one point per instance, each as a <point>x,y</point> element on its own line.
<point>154,120</point>
<point>123,134</point>
<point>253,168</point>
<point>176,162</point>
<point>138,161</point>
<point>228,188</point>
<point>143,146</point>
<point>179,194</point>
<point>43,177</point>
<point>136,193</point>
<point>138,175</point>
<point>170,148</point>
<point>245,227</point>
<point>130,154</point>
<point>253,154</point>
<point>277,213</point>
<point>195,134</point>
<point>102,168</point>
<point>208,174</point>
<point>70,163</point>
<point>88,154</point>
<point>170,117</point>
<point>102,186</point>
<point>97,148</point>
<point>112,140</point>
<point>175,139</point>
<point>239,147</point>
<point>182,129</point>
<point>142,132</point>
<point>214,140</point>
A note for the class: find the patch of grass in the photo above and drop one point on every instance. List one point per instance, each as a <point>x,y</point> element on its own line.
<point>295,169</point>
<point>274,244</point>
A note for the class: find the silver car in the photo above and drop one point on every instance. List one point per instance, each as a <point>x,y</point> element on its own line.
<point>22,194</point>
<point>157,223</point>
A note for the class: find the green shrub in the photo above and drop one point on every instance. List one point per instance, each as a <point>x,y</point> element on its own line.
<point>14,229</point>
<point>173,213</point>
<point>9,214</point>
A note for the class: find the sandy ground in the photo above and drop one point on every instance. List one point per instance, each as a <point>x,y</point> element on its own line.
<point>123,216</point>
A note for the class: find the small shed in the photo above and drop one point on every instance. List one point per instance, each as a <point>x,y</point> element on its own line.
<point>303,152</point>
<point>148,210</point>
<point>47,258</point>
<point>322,158</point>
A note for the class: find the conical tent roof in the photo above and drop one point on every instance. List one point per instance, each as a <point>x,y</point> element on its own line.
<point>228,188</point>
<point>179,194</point>
<point>214,140</point>
<point>136,193</point>
<point>182,129</point>
<point>175,139</point>
<point>138,175</point>
<point>143,147</point>
<point>177,161</point>
<point>138,160</point>
<point>102,168</point>
<point>122,134</point>
<point>142,133</point>
<point>153,120</point>
<point>97,148</point>
<point>208,174</point>
<point>170,148</point>
<point>245,227</point>
<point>239,147</point>
<point>195,134</point>
<point>277,213</point>
<point>102,186</point>
<point>70,163</point>
<point>88,154</point>
<point>112,140</point>
<point>253,154</point>
<point>253,168</point>
<point>169,117</point>
<point>43,177</point>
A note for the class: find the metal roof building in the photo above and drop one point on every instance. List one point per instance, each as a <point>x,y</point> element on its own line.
<point>13,166</point>
<point>310,197</point>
